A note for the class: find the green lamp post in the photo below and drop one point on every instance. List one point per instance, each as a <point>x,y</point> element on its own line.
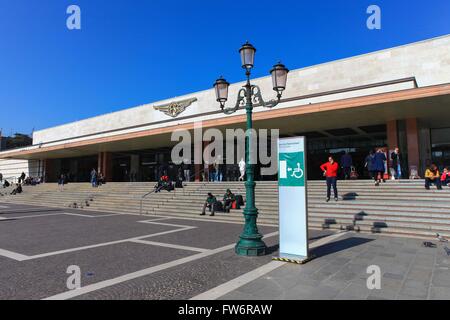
<point>250,242</point>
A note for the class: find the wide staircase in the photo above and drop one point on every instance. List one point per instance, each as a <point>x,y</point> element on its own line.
<point>400,208</point>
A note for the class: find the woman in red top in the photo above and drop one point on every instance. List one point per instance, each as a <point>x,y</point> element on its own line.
<point>330,170</point>
<point>445,178</point>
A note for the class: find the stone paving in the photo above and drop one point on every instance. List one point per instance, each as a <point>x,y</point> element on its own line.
<point>409,271</point>
<point>38,244</point>
<point>153,257</point>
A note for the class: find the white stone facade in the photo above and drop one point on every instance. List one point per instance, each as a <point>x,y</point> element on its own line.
<point>427,61</point>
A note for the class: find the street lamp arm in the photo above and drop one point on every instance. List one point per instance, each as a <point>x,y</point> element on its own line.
<point>240,102</point>
<point>258,99</point>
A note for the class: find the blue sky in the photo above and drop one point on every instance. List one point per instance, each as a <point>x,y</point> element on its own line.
<point>130,53</point>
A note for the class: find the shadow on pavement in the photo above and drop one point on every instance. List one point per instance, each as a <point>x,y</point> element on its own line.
<point>337,246</point>
<point>272,249</point>
<point>350,196</point>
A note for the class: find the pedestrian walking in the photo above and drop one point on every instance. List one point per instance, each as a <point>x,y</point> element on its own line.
<point>93,178</point>
<point>396,162</point>
<point>378,166</point>
<point>242,169</point>
<point>186,170</point>
<point>346,163</point>
<point>369,164</point>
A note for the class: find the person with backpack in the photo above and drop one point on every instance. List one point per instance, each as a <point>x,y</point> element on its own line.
<point>330,171</point>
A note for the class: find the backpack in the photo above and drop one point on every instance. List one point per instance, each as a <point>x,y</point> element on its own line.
<point>353,173</point>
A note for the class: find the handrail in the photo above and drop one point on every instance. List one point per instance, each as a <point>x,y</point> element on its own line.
<point>11,179</point>
<point>142,200</point>
<point>153,191</point>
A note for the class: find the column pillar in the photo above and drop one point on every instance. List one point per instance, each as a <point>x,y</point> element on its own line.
<point>200,167</point>
<point>100,162</point>
<point>105,165</point>
<point>197,169</point>
<point>392,134</point>
<point>412,138</point>
<point>49,169</point>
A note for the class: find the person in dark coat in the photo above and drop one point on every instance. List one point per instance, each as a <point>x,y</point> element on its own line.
<point>396,161</point>
<point>369,164</point>
<point>378,166</point>
<point>346,163</point>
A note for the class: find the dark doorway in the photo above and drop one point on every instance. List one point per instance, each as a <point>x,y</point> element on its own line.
<point>121,168</point>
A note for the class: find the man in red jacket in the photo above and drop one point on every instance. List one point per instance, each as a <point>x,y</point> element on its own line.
<point>330,170</point>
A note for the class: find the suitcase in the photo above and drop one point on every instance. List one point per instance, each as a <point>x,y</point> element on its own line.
<point>218,206</point>
<point>239,200</point>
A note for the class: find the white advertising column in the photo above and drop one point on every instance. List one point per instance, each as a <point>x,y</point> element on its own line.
<point>293,215</point>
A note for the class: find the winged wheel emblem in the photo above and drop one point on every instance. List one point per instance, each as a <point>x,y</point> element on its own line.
<point>173,109</point>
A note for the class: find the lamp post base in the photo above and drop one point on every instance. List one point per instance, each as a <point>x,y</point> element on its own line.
<point>250,247</point>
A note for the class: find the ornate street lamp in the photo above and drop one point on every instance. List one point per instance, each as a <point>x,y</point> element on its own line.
<point>250,242</point>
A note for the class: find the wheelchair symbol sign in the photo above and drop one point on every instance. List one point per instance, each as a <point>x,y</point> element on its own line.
<point>291,169</point>
<point>297,172</point>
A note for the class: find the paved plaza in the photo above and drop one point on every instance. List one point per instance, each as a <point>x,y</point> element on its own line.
<point>120,256</point>
<point>124,256</point>
<point>409,271</point>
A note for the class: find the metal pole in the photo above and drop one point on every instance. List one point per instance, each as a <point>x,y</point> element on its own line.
<point>250,242</point>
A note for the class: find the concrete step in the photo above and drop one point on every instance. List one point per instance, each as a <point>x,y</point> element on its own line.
<point>400,208</point>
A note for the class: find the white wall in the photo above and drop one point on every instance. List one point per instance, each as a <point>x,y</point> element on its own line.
<point>12,169</point>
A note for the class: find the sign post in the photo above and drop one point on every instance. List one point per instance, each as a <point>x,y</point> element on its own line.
<point>293,215</point>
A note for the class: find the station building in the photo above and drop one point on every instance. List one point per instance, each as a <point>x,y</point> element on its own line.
<point>393,97</point>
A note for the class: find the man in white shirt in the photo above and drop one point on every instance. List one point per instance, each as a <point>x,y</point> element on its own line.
<point>242,169</point>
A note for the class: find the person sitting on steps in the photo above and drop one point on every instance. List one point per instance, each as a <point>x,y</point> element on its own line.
<point>164,183</point>
<point>210,203</point>
<point>228,200</point>
<point>432,176</point>
<point>445,178</point>
<point>17,190</point>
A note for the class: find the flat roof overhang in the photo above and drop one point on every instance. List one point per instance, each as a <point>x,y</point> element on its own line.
<point>429,104</point>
